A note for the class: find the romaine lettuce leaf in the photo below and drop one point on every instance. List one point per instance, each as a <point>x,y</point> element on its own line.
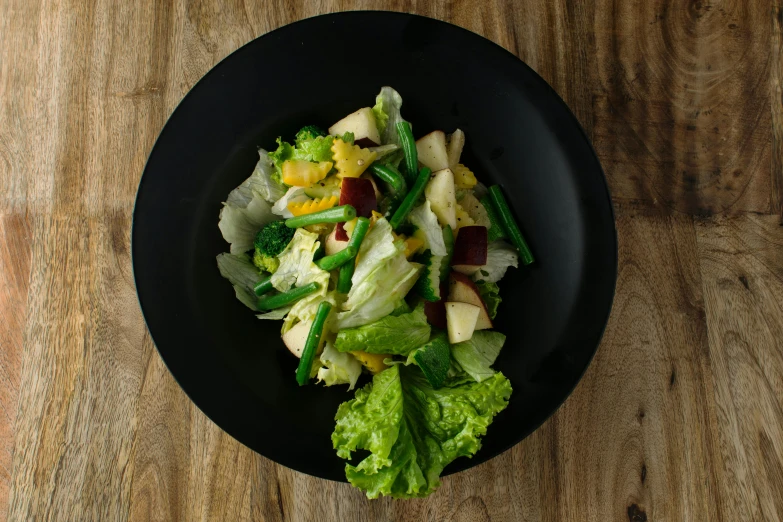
<point>387,114</point>
<point>476,355</point>
<point>500,256</point>
<point>393,335</point>
<point>338,367</point>
<point>316,149</point>
<point>242,274</point>
<point>490,294</point>
<point>412,430</point>
<point>243,214</point>
<point>383,276</point>
<point>264,179</point>
<point>429,229</point>
<point>284,151</point>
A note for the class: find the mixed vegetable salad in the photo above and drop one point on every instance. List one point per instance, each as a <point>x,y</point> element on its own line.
<point>381,254</point>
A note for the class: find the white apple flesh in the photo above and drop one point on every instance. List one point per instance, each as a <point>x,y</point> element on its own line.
<point>362,124</point>
<point>463,290</point>
<point>440,193</point>
<point>461,321</point>
<point>295,338</point>
<point>432,152</point>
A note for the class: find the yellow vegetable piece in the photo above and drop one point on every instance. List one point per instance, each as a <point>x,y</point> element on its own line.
<point>463,218</point>
<point>463,177</point>
<point>313,205</point>
<point>302,173</point>
<point>412,245</point>
<point>350,160</point>
<point>372,361</point>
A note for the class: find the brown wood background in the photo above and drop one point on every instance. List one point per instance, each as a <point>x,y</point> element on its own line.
<point>680,416</point>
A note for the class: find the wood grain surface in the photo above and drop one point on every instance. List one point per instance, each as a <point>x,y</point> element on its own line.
<point>680,416</point>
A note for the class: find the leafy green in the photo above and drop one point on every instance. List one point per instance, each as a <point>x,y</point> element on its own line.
<point>478,354</point>
<point>383,276</point>
<point>309,132</point>
<point>434,359</point>
<point>315,149</point>
<point>490,294</point>
<point>265,180</point>
<point>500,256</point>
<point>276,314</point>
<point>348,137</point>
<point>241,273</point>
<point>284,151</point>
<point>387,114</point>
<point>429,229</point>
<point>338,367</point>
<point>396,335</point>
<point>244,212</point>
<point>293,195</point>
<point>412,430</point>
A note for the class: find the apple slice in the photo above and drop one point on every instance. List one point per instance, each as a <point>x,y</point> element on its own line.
<point>456,144</point>
<point>463,290</point>
<point>334,245</point>
<point>470,249</point>
<point>295,338</point>
<point>440,193</point>
<point>461,321</point>
<point>432,152</point>
<point>362,124</point>
<point>436,312</point>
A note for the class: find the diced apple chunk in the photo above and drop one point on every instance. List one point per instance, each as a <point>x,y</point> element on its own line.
<point>461,321</point>
<point>432,152</point>
<point>440,193</point>
<point>456,144</point>
<point>362,124</point>
<point>463,290</point>
<point>470,250</point>
<point>295,338</point>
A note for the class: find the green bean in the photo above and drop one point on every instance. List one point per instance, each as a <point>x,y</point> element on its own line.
<point>263,286</point>
<point>286,298</point>
<point>509,225</point>
<point>408,148</point>
<point>359,231</point>
<point>415,193</point>
<point>312,342</point>
<point>344,278</point>
<point>391,176</point>
<point>330,215</point>
<point>445,267</point>
<point>343,256</point>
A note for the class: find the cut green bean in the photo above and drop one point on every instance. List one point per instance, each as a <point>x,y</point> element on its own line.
<point>263,286</point>
<point>391,176</point>
<point>408,148</point>
<point>413,196</point>
<point>286,298</point>
<point>335,260</point>
<point>359,231</point>
<point>344,277</point>
<point>330,215</point>
<point>509,225</point>
<point>312,342</point>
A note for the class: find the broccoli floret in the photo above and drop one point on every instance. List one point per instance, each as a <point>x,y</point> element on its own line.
<point>270,241</point>
<point>309,132</point>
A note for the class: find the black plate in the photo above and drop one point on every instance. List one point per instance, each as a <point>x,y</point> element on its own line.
<point>519,134</point>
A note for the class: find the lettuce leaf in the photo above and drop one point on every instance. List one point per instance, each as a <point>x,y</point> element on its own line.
<point>244,213</point>
<point>383,276</point>
<point>338,367</point>
<point>396,335</point>
<point>412,430</point>
<point>500,256</point>
<point>476,355</point>
<point>276,314</point>
<point>242,274</point>
<point>490,294</point>
<point>316,149</point>
<point>293,195</point>
<point>387,114</point>
<point>264,179</point>
<point>429,229</point>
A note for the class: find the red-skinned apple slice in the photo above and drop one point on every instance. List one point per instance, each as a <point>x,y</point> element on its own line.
<point>463,290</point>
<point>470,249</point>
<point>362,124</point>
<point>360,194</point>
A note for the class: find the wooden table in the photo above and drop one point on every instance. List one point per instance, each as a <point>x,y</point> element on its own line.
<point>680,416</point>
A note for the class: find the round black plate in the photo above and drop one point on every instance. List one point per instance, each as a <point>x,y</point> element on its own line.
<point>519,134</point>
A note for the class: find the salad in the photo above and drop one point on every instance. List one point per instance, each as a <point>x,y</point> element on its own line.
<point>381,254</point>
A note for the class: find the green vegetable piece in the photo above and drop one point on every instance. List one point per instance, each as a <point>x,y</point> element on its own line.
<point>263,286</point>
<point>408,147</point>
<point>330,215</point>
<point>269,242</point>
<point>496,229</point>
<point>344,277</point>
<point>339,259</point>
<point>391,176</point>
<point>312,342</point>
<point>359,232</point>
<point>477,355</point>
<point>410,200</point>
<point>309,132</point>
<point>490,294</point>
<point>509,225</point>
<point>396,335</point>
<point>448,239</point>
<point>428,284</point>
<point>412,431</point>
<point>286,298</point>
<point>434,359</point>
